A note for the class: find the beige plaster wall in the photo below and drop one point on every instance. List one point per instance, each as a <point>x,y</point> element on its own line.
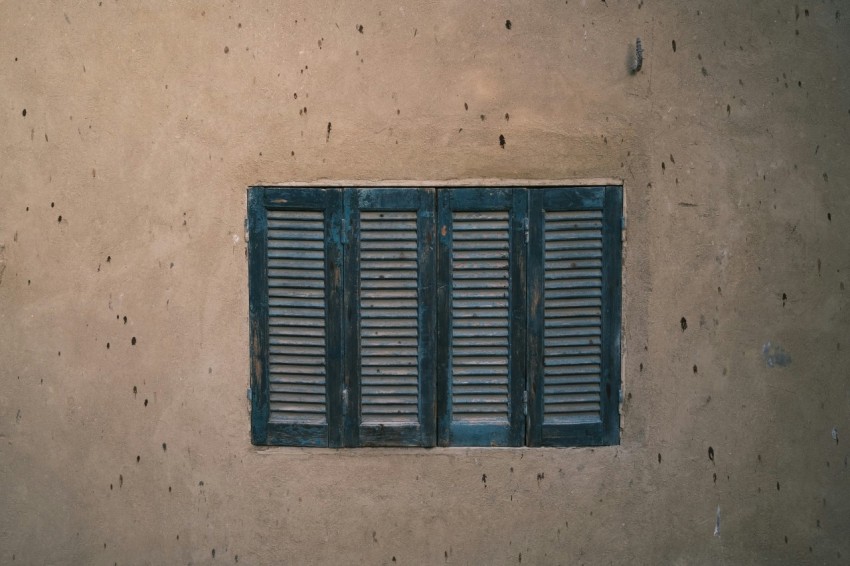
<point>122,194</point>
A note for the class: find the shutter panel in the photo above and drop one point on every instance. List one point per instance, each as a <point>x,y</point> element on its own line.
<point>295,299</point>
<point>481,310</point>
<point>574,306</point>
<point>391,295</point>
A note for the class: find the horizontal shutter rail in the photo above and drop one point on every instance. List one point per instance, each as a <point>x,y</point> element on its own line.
<point>302,387</point>
<point>390,401</point>
<point>553,272</point>
<point>306,323</point>
<point>391,302</point>
<point>296,272</point>
<point>377,286</point>
<point>276,254</point>
<point>306,312</point>
<point>283,372</point>
<point>583,370</point>
<point>389,332</point>
<point>477,254</point>
<point>477,304</point>
<point>378,342</point>
<point>576,360</point>
<point>389,293</point>
<point>290,283</point>
<point>378,246</point>
<point>387,314</point>
<point>399,363</point>
<point>287,348</point>
<point>296,340</point>
<point>393,372</point>
<point>464,280</point>
<point>476,374</point>
<point>387,323</point>
<point>313,379</point>
<point>474,332</point>
<point>571,323</point>
<point>575,246</point>
<point>286,292</point>
<point>559,215</point>
<point>295,360</point>
<point>557,235</point>
<point>479,245</point>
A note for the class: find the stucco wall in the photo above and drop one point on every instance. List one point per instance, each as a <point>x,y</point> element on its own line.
<point>129,136</point>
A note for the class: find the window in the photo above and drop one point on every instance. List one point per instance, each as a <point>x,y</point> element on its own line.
<point>423,317</point>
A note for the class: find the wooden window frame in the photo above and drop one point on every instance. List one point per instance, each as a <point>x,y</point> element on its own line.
<point>526,425</point>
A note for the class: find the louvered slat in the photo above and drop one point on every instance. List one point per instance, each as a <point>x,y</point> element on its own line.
<point>389,317</point>
<point>296,295</point>
<point>479,316</point>
<point>572,316</point>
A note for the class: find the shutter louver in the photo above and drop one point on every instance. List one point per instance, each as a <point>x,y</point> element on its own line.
<point>295,258</point>
<point>574,315</point>
<point>481,310</point>
<point>390,276</point>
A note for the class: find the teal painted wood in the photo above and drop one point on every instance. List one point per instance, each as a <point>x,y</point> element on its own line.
<point>481,326</point>
<point>391,352</point>
<point>258,316</point>
<point>612,276</point>
<point>295,265</point>
<point>354,343</point>
<point>574,274</point>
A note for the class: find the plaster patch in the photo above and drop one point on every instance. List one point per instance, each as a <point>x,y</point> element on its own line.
<point>774,355</point>
<point>717,522</point>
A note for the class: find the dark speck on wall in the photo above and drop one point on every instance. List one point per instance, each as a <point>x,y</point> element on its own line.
<point>360,28</point>
<point>502,141</point>
<point>508,24</point>
<point>133,341</point>
<point>674,46</point>
<point>684,324</point>
<point>24,113</point>
<point>226,50</point>
<point>711,453</point>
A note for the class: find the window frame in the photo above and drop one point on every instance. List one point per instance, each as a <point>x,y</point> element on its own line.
<point>342,206</point>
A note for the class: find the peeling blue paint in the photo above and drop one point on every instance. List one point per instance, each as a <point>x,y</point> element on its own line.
<point>774,355</point>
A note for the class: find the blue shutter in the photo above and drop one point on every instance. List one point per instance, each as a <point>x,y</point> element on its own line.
<point>390,296</point>
<point>481,317</point>
<point>574,315</point>
<point>295,260</point>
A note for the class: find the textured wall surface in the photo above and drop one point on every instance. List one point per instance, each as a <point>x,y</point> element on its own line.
<point>129,136</point>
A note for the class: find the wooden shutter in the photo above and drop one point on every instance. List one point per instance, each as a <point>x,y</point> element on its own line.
<point>481,316</point>
<point>390,298</point>
<point>574,315</point>
<point>295,260</point>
